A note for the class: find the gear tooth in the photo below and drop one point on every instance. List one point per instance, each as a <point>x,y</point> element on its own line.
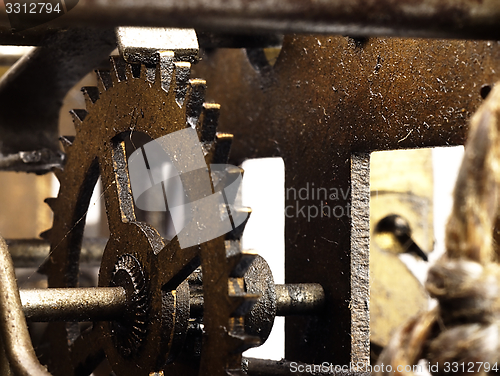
<point>238,263</point>
<point>148,72</point>
<point>78,116</point>
<point>104,81</point>
<point>46,234</point>
<point>51,201</point>
<point>223,143</point>
<point>242,342</point>
<point>243,303</point>
<point>165,69</point>
<point>209,121</point>
<point>118,69</point>
<point>91,94</point>
<point>132,71</point>
<point>236,289</point>
<point>194,105</point>
<point>182,73</point>
<point>66,141</point>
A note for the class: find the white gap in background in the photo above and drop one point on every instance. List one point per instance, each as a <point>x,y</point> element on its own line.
<point>92,223</point>
<point>446,162</point>
<point>10,55</point>
<point>94,212</point>
<point>15,50</point>
<point>264,191</point>
<point>54,186</point>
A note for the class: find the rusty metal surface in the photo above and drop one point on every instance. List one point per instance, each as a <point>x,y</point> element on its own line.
<point>422,18</point>
<point>15,337</point>
<point>325,99</point>
<point>360,258</point>
<point>31,94</point>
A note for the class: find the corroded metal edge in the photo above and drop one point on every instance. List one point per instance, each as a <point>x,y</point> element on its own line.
<point>360,258</point>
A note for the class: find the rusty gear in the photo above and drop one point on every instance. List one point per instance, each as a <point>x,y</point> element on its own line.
<point>155,101</point>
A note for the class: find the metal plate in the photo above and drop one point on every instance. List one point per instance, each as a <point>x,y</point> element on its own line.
<point>325,99</point>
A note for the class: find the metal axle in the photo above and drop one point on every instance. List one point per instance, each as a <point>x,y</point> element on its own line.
<point>109,303</point>
<point>74,304</point>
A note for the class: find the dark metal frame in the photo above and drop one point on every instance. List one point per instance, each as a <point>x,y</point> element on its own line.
<point>434,18</point>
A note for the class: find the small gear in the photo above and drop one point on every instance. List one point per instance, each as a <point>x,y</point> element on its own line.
<point>155,101</point>
<point>130,332</point>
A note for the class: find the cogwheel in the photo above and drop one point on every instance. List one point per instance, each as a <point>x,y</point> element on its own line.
<point>156,101</point>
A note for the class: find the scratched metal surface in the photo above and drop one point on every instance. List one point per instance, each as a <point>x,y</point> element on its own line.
<point>325,99</point>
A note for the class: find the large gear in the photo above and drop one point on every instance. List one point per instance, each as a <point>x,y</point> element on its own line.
<point>155,101</point>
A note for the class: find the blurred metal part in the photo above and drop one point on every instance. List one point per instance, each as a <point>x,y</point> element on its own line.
<point>41,160</point>
<point>5,369</point>
<point>299,299</point>
<point>31,93</point>
<point>78,304</point>
<point>15,336</point>
<point>210,40</point>
<point>31,253</point>
<point>422,18</point>
<point>206,39</point>
<point>141,44</point>
<point>30,37</point>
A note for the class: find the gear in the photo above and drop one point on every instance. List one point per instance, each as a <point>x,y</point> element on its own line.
<point>130,332</point>
<point>155,101</point>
